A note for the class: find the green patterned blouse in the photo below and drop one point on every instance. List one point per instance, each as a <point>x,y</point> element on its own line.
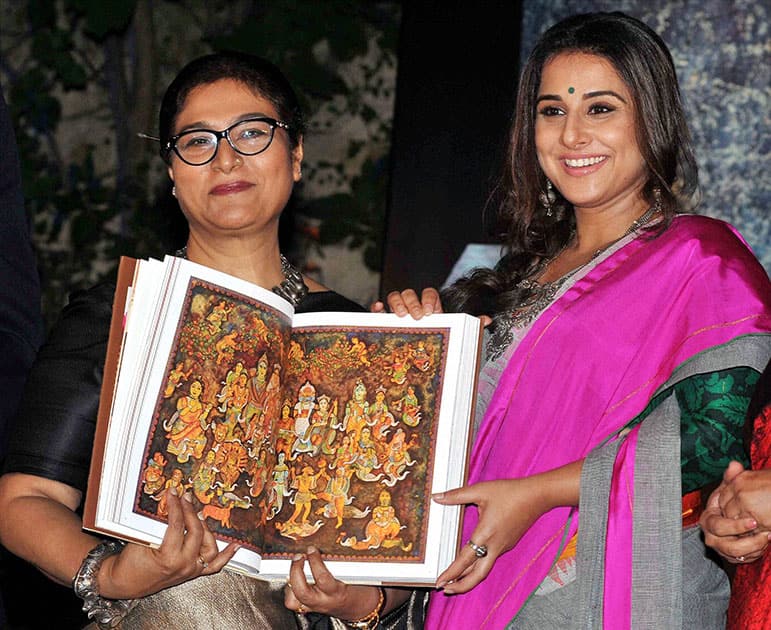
<point>712,415</point>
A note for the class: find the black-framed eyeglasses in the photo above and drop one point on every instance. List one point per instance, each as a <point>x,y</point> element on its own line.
<point>247,137</point>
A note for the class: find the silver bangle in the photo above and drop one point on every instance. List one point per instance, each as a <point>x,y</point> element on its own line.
<point>107,613</point>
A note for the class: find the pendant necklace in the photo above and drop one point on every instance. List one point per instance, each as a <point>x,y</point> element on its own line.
<point>539,295</point>
<point>292,288</point>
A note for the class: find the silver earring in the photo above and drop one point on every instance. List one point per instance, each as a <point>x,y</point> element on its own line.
<point>657,198</point>
<point>547,198</point>
<point>174,191</point>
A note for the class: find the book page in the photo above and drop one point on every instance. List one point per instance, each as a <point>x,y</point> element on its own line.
<point>208,393</point>
<point>357,439</point>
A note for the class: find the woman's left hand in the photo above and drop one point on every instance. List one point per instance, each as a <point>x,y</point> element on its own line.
<point>748,494</point>
<point>507,508</point>
<point>406,302</point>
<point>327,595</point>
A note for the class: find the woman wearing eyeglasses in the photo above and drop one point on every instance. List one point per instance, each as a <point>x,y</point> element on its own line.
<point>231,133</point>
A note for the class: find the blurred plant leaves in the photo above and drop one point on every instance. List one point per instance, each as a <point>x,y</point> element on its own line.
<point>103,17</point>
<point>31,104</point>
<point>357,216</point>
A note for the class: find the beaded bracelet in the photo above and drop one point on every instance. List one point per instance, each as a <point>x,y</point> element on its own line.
<point>371,620</point>
<point>107,613</point>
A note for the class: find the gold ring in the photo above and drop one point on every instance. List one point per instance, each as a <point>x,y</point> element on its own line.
<point>289,584</point>
<point>203,562</point>
<point>301,609</point>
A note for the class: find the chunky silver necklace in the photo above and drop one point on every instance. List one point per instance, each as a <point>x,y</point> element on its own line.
<point>538,295</point>
<point>292,288</point>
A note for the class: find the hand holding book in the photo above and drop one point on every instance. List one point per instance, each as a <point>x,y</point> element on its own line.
<point>327,595</point>
<point>188,550</point>
<point>406,302</point>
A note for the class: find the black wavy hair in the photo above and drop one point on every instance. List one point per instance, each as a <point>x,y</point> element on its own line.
<point>528,235</point>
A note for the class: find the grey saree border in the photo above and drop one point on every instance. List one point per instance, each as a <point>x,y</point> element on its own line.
<point>657,600</point>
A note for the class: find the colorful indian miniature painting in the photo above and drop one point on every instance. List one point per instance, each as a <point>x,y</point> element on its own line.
<point>328,443</point>
<point>222,395</point>
<point>355,443</point>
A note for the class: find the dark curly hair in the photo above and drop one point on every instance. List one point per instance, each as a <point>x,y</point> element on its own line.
<point>644,63</point>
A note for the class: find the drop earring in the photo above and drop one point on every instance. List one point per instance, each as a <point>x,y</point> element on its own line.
<point>174,191</point>
<point>547,198</point>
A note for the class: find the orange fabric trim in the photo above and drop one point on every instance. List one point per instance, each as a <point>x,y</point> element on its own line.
<point>570,549</point>
<point>693,506</point>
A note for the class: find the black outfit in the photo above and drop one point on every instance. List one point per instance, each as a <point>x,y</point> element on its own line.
<point>21,322</point>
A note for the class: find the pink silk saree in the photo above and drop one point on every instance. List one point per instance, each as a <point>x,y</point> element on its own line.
<point>589,364</point>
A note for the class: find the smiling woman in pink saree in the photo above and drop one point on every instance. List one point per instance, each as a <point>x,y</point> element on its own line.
<point>626,338</point>
<point>612,348</point>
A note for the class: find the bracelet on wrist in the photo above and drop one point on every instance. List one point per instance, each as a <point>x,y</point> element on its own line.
<point>107,613</point>
<point>371,620</point>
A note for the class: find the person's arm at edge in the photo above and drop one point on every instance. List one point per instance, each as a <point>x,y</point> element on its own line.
<point>39,524</point>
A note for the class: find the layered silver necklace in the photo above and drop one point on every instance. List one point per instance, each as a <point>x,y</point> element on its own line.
<point>538,295</point>
<point>292,288</point>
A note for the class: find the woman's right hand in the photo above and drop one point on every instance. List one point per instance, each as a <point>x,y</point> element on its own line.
<point>188,550</point>
<point>407,302</point>
<point>507,508</point>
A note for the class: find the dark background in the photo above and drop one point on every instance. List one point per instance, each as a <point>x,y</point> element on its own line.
<point>455,92</point>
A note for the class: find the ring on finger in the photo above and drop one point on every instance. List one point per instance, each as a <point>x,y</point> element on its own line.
<point>479,550</point>
<point>302,609</point>
<point>203,562</point>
